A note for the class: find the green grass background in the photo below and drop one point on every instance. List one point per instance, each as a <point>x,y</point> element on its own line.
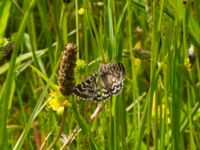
<point>159,105</point>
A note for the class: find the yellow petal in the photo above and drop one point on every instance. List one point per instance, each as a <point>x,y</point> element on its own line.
<point>81,11</point>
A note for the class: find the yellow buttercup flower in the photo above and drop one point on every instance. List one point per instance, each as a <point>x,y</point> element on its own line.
<point>81,11</point>
<point>57,101</point>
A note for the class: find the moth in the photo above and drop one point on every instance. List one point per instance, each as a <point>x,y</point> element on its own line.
<point>100,85</point>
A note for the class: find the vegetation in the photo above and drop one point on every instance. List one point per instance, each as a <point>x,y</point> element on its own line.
<point>158,41</point>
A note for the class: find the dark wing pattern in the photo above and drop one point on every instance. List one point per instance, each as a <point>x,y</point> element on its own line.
<point>110,83</point>
<point>112,76</point>
<point>88,88</point>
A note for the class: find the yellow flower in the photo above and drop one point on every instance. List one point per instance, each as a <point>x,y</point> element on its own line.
<point>57,101</point>
<point>80,65</point>
<point>81,11</point>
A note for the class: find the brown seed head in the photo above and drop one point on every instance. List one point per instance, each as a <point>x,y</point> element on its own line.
<point>66,71</point>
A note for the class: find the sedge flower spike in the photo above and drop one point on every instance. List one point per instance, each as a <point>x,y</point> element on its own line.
<point>66,71</point>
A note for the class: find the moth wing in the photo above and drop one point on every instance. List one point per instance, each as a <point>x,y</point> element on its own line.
<point>112,76</point>
<point>88,88</point>
<point>111,83</point>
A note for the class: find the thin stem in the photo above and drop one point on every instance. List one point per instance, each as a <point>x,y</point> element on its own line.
<point>75,132</point>
<point>59,132</point>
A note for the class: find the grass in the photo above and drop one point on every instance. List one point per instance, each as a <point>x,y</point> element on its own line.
<point>159,105</point>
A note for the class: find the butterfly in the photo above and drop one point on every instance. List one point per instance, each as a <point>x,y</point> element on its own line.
<point>101,85</point>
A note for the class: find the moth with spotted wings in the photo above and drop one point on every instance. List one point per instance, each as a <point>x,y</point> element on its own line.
<point>101,85</point>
